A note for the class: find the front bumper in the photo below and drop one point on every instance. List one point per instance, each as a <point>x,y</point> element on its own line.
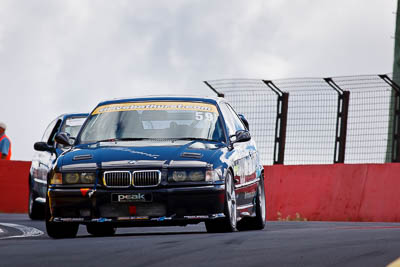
<point>162,206</point>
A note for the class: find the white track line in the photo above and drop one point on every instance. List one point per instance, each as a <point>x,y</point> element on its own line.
<point>26,231</point>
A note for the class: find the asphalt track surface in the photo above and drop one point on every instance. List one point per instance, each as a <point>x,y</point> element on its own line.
<point>279,244</point>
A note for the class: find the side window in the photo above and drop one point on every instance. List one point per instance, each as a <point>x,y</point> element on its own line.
<point>238,122</point>
<point>54,132</point>
<point>47,132</point>
<point>229,120</point>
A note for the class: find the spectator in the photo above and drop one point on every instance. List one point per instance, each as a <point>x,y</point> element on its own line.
<point>5,143</point>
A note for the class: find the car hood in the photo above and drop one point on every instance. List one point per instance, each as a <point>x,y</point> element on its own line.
<point>122,154</point>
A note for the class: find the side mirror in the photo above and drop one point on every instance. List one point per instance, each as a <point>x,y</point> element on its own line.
<point>241,136</point>
<point>244,120</point>
<point>43,146</point>
<point>63,139</point>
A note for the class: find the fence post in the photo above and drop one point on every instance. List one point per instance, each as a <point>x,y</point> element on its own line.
<point>280,123</point>
<point>396,121</point>
<point>341,121</point>
<point>214,90</point>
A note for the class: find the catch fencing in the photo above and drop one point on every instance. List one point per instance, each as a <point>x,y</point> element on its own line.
<point>351,119</point>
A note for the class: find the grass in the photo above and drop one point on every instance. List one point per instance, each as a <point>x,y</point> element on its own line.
<point>297,218</point>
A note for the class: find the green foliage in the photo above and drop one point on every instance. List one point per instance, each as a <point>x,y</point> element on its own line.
<point>297,218</point>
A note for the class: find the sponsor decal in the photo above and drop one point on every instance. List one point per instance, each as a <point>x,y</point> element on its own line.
<point>162,105</point>
<point>160,219</point>
<point>140,218</point>
<point>198,217</point>
<point>102,220</point>
<point>136,197</point>
<point>127,198</point>
<point>123,218</point>
<point>154,156</point>
<point>133,218</point>
<point>218,215</point>
<point>68,219</point>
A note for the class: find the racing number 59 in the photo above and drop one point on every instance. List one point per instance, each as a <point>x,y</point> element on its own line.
<point>204,115</point>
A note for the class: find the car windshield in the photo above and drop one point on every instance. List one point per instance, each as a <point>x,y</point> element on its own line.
<point>153,120</point>
<point>73,125</point>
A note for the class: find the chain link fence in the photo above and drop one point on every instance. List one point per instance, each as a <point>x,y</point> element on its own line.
<point>319,127</point>
<point>250,98</point>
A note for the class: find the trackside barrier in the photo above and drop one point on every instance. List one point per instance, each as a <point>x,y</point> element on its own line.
<point>14,186</point>
<point>339,192</point>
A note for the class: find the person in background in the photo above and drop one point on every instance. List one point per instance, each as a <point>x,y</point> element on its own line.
<point>5,143</point>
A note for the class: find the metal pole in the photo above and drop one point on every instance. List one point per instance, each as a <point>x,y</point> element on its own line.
<point>214,90</point>
<point>395,111</point>
<point>396,79</point>
<point>280,122</point>
<point>341,121</point>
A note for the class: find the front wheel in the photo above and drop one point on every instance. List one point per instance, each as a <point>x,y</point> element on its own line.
<point>227,224</point>
<point>257,222</point>
<point>59,230</point>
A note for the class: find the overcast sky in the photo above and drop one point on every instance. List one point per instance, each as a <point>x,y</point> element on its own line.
<point>65,56</point>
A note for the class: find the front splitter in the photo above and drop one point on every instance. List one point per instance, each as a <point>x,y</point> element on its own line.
<point>178,220</point>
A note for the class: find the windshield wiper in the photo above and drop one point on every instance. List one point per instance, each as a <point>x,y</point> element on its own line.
<point>193,139</point>
<point>122,139</point>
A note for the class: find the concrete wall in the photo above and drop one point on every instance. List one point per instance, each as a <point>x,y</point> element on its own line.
<point>340,192</point>
<point>14,186</point>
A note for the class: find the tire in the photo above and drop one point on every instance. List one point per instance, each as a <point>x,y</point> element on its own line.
<point>257,222</point>
<point>35,210</point>
<point>59,230</point>
<point>227,224</point>
<point>99,229</point>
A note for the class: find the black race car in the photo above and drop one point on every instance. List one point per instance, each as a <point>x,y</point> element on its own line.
<point>157,161</point>
<point>44,157</point>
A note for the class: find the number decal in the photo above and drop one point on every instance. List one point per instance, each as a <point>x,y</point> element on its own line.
<point>204,115</point>
<point>209,116</point>
<point>199,116</point>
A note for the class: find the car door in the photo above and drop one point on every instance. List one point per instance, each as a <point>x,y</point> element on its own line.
<point>44,159</point>
<point>242,161</point>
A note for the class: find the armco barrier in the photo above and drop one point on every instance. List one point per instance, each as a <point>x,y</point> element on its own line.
<point>14,186</point>
<point>339,192</point>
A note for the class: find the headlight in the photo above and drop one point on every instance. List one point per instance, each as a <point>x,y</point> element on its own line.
<point>214,175</point>
<point>71,178</point>
<point>79,178</point>
<point>56,178</point>
<point>87,178</point>
<point>196,176</point>
<point>179,176</point>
